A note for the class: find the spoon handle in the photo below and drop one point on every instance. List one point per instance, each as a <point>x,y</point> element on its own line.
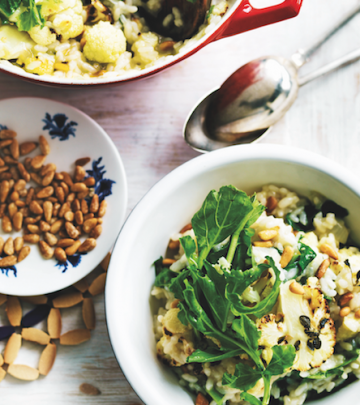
<point>303,55</point>
<point>330,67</point>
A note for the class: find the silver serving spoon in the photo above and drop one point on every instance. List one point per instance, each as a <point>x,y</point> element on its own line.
<point>255,97</point>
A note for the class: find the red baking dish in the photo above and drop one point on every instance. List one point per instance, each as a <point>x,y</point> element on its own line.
<point>241,17</point>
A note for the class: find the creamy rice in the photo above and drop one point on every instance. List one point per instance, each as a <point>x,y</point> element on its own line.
<point>102,39</point>
<point>340,280</point>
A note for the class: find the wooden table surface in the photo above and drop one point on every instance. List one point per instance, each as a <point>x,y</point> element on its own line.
<point>145,119</point>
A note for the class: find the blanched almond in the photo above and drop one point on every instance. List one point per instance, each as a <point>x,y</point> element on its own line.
<point>98,285</point>
<point>12,348</point>
<point>67,300</point>
<point>23,372</point>
<point>54,323</point>
<point>35,335</point>
<point>82,285</point>
<point>75,337</point>
<point>47,359</point>
<point>88,313</point>
<point>14,311</point>
<point>35,299</point>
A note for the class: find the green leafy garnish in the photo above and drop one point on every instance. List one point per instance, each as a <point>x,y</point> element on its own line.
<point>299,262</point>
<point>8,7</point>
<point>246,377</point>
<point>210,290</point>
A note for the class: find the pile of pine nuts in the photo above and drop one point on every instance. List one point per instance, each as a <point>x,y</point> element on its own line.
<point>55,213</point>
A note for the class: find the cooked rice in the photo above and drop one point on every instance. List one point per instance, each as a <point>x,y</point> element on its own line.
<point>340,278</point>
<point>142,47</point>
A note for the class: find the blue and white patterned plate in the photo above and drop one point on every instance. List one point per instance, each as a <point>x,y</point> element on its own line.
<point>71,135</point>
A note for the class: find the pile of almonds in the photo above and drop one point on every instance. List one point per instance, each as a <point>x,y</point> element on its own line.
<point>56,209</point>
<point>79,293</point>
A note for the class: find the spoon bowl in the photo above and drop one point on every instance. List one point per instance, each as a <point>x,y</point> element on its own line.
<point>199,135</point>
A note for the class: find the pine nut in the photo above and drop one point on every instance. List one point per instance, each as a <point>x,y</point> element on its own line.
<point>296,288</point>
<point>344,311</point>
<point>286,256</point>
<point>322,268</point>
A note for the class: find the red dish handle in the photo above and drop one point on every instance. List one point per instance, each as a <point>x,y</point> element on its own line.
<point>246,17</point>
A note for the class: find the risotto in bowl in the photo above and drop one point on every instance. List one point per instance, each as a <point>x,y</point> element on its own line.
<point>109,41</point>
<point>253,297</point>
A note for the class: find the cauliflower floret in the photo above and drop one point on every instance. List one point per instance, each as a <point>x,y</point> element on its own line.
<point>144,49</point>
<point>308,324</point>
<point>69,23</point>
<point>41,65</point>
<point>272,333</point>
<point>104,43</point>
<point>349,327</point>
<point>49,7</point>
<point>42,36</point>
<point>14,44</point>
<point>176,343</point>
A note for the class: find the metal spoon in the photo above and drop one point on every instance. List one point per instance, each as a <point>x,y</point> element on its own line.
<point>192,14</point>
<point>256,96</point>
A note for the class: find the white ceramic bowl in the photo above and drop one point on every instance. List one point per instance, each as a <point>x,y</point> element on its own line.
<point>71,135</point>
<point>167,207</point>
